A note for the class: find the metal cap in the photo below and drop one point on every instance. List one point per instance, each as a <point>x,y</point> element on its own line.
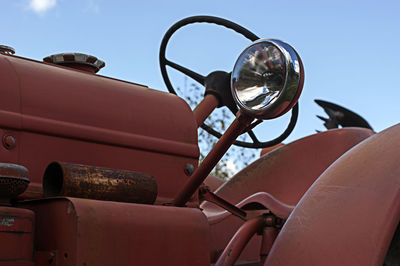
<point>6,49</point>
<point>14,180</point>
<point>79,61</point>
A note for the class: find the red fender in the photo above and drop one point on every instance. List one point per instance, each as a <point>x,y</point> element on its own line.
<point>286,173</point>
<point>349,215</point>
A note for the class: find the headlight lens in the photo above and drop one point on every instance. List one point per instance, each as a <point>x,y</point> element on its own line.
<point>267,78</point>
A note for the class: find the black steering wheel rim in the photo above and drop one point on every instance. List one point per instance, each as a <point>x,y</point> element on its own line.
<point>199,78</point>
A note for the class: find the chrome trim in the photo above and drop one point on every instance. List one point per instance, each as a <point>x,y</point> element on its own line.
<point>292,86</point>
<point>7,50</point>
<point>78,58</point>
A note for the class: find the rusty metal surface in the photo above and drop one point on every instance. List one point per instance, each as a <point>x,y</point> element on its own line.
<point>16,236</point>
<point>14,171</point>
<point>91,232</point>
<point>14,180</point>
<point>349,215</point>
<point>91,182</point>
<point>168,170</point>
<point>72,116</point>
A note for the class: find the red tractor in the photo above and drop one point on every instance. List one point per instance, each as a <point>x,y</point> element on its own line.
<point>99,171</point>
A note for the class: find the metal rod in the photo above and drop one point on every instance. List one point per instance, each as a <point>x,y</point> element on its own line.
<point>83,181</point>
<point>235,247</point>
<point>268,238</point>
<point>205,108</point>
<point>207,195</point>
<point>204,169</point>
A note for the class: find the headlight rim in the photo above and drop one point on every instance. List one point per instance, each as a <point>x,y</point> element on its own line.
<point>281,105</point>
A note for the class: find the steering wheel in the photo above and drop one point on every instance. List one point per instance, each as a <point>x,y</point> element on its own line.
<point>226,84</point>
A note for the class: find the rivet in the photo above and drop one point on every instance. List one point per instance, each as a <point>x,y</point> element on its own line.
<point>189,169</point>
<point>9,142</point>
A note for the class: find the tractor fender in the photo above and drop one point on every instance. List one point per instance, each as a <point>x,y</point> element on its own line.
<point>349,215</point>
<point>286,173</point>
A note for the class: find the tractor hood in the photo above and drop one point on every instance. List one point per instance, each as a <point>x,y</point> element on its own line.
<point>58,113</point>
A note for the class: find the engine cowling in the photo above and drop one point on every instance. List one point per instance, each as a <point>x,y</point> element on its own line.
<point>55,113</point>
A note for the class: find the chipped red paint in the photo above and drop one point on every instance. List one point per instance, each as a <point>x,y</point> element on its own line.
<point>16,236</point>
<point>286,173</point>
<point>71,116</point>
<point>91,232</point>
<point>335,193</point>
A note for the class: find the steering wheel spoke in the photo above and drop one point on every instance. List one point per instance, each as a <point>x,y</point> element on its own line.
<point>197,77</point>
<point>255,143</point>
<point>253,137</point>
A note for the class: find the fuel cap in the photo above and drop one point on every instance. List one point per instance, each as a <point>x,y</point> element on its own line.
<point>6,49</point>
<point>79,61</point>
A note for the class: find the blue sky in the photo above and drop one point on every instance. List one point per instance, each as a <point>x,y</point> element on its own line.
<point>349,48</point>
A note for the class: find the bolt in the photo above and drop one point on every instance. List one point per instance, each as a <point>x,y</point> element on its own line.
<point>270,220</point>
<point>189,169</point>
<point>9,142</point>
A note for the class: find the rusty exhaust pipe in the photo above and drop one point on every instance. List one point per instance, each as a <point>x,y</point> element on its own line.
<point>91,182</point>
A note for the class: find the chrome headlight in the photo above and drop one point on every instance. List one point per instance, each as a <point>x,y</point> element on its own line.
<point>267,78</point>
